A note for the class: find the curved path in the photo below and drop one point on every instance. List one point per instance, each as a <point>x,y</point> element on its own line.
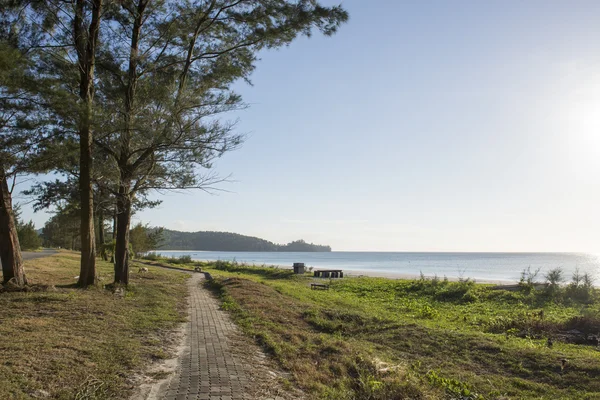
<point>30,255</point>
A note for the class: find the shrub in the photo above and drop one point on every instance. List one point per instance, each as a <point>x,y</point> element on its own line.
<point>222,265</point>
<point>469,297</point>
<point>581,287</point>
<point>528,279</point>
<point>456,291</point>
<point>152,256</point>
<point>554,278</point>
<point>187,259</point>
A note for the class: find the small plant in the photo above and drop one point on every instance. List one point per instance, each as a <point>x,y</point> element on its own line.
<point>229,306</point>
<point>455,388</point>
<point>428,312</point>
<point>528,279</point>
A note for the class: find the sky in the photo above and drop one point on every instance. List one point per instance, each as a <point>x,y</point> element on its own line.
<point>419,126</point>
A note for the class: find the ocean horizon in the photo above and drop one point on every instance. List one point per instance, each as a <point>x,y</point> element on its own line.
<point>480,266</point>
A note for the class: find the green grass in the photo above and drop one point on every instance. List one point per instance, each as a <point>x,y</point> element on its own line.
<point>84,344</point>
<point>373,338</point>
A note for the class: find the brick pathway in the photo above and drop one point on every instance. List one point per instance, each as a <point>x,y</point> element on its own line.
<point>207,369</point>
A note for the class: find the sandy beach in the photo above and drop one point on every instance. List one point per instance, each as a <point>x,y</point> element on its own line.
<point>393,275</point>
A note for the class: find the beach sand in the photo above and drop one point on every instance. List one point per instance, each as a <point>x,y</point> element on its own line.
<point>394,275</point>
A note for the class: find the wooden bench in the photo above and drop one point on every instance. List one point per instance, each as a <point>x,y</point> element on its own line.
<point>329,273</point>
<point>319,286</point>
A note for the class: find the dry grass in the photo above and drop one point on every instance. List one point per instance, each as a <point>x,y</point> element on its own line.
<point>68,343</point>
<point>325,365</point>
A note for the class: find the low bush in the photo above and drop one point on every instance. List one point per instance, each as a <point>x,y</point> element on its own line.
<point>152,256</point>
<point>187,259</point>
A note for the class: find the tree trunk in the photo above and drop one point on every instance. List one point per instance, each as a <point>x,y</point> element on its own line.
<point>87,273</point>
<point>10,250</point>
<point>114,236</point>
<point>85,45</point>
<point>122,244</point>
<point>101,239</point>
<point>124,198</point>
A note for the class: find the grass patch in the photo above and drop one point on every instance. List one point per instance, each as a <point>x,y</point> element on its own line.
<point>373,338</point>
<point>87,344</point>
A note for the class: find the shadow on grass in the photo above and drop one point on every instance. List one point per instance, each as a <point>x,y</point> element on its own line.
<point>67,286</point>
<point>159,265</point>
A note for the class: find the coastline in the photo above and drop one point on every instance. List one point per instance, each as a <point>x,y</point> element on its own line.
<point>398,275</point>
<point>354,273</point>
<point>487,268</point>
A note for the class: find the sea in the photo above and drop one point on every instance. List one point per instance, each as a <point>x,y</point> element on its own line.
<point>483,267</point>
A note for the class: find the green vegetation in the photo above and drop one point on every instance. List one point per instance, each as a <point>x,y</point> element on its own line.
<point>142,238</point>
<point>135,125</point>
<point>85,344</point>
<point>28,237</point>
<point>169,260</point>
<point>226,241</point>
<point>373,338</point>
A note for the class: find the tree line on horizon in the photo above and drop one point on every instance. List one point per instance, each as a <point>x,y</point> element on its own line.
<point>227,241</point>
<point>123,99</point>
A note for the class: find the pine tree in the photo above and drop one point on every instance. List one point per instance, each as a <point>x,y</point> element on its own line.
<point>65,42</point>
<point>23,131</point>
<point>161,108</point>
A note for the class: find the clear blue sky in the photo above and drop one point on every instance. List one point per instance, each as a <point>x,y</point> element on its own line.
<point>420,126</point>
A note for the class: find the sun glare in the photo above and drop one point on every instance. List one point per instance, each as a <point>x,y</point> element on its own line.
<point>582,127</point>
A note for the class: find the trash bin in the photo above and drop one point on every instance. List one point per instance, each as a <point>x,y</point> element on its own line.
<point>299,268</point>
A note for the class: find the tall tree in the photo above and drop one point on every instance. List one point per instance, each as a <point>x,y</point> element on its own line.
<point>86,30</point>
<point>161,106</point>
<point>22,132</point>
<point>66,36</point>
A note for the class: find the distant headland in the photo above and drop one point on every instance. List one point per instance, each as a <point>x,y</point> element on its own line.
<point>227,241</point>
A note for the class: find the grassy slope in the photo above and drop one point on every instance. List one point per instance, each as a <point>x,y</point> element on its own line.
<point>76,343</point>
<point>372,338</point>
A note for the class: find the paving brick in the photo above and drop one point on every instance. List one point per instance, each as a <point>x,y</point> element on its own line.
<point>208,369</point>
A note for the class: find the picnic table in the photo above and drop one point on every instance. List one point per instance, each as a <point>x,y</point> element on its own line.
<point>329,273</point>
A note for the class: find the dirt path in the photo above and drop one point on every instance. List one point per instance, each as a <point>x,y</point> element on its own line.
<point>215,360</point>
